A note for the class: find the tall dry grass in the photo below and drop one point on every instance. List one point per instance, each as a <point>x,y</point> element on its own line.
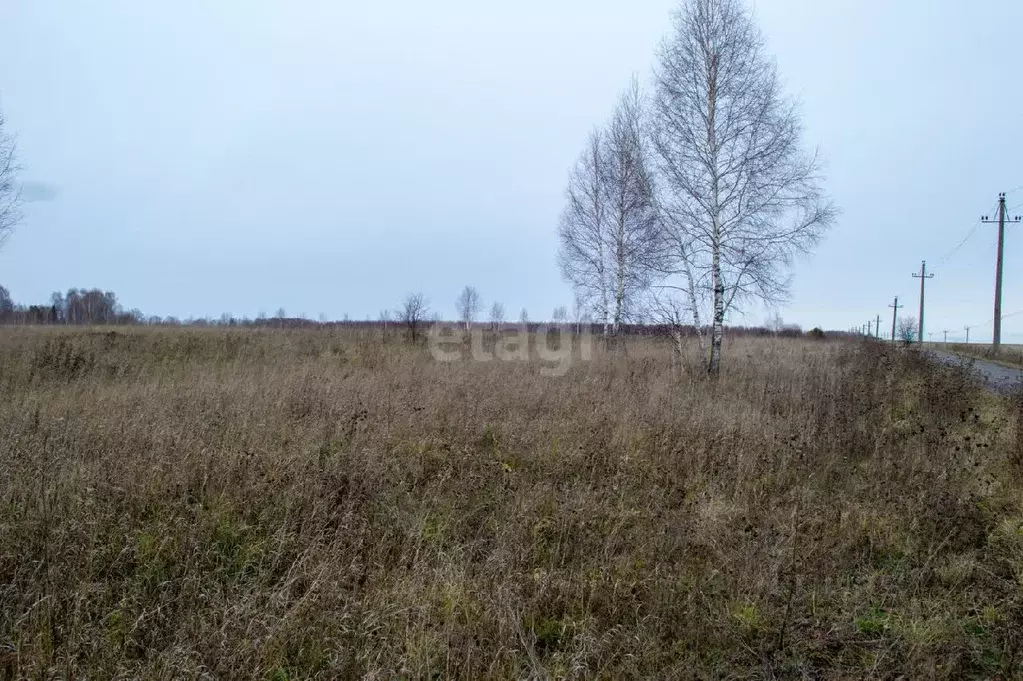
<point>294,504</point>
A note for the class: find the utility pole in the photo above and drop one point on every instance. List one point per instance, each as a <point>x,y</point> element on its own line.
<point>877,328</point>
<point>870,328</point>
<point>946,336</point>
<point>967,334</point>
<point>923,276</point>
<point>895,313</point>
<point>1000,221</point>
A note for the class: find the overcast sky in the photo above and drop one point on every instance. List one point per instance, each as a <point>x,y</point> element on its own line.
<point>331,156</point>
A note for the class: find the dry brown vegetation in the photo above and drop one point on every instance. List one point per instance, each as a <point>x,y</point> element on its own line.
<point>291,504</point>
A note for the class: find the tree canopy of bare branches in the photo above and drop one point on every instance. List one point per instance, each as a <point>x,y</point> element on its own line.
<point>6,303</point>
<point>739,196</point>
<point>496,315</point>
<point>10,194</point>
<point>413,313</point>
<point>673,314</point>
<point>906,330</point>
<point>610,237</point>
<point>560,315</point>
<point>468,306</point>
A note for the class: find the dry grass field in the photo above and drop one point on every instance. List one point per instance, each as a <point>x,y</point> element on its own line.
<point>318,504</point>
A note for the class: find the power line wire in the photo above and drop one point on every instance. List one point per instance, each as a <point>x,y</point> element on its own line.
<point>962,243</point>
<point>969,235</point>
<point>1004,316</point>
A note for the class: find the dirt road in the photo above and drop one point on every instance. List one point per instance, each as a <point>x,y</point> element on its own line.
<point>1000,378</point>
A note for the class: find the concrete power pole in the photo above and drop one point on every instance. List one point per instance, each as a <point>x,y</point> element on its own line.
<point>923,277</point>
<point>877,328</point>
<point>946,336</point>
<point>870,329</point>
<point>895,314</point>
<point>967,334</point>
<point>1000,221</point>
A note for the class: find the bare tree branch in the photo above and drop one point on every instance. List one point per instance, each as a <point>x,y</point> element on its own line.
<point>10,194</point>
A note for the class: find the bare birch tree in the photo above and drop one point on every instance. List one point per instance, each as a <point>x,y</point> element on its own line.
<point>496,316</point>
<point>10,194</point>
<point>739,194</point>
<point>583,232</point>
<point>560,315</point>
<point>413,313</point>
<point>610,235</point>
<point>579,313</point>
<point>468,306</point>
<point>635,231</point>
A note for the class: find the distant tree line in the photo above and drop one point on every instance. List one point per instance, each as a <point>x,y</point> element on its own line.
<point>414,315</point>
<point>90,307</point>
<point>77,306</point>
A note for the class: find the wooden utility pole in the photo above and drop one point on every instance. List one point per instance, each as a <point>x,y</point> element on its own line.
<point>1000,221</point>
<point>895,314</point>
<point>923,276</point>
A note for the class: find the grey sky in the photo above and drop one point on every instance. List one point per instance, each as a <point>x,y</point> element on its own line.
<point>332,156</point>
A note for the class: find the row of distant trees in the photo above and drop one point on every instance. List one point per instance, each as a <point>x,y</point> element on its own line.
<point>694,198</point>
<point>469,306</point>
<point>77,306</point>
<point>414,314</point>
